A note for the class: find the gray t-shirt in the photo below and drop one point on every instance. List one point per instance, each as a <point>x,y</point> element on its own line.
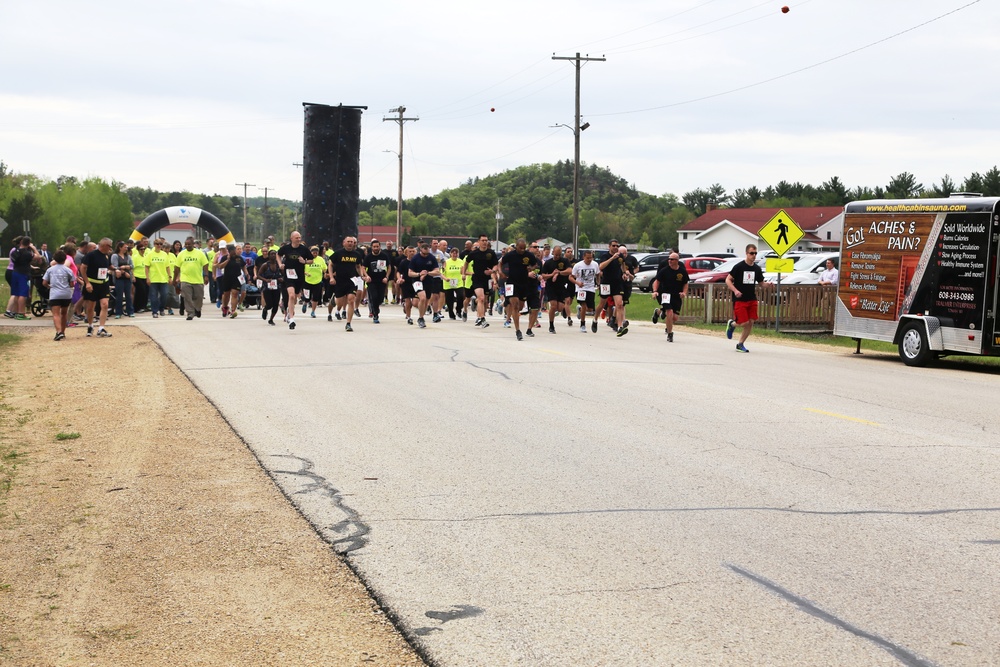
<point>59,278</point>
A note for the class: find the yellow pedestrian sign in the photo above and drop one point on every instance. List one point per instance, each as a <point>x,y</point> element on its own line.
<point>781,233</point>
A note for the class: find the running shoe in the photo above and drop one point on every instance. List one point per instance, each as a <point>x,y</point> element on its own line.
<point>656,316</point>
<point>593,326</point>
<point>421,323</point>
<point>197,313</point>
<point>436,318</point>
<point>218,304</point>
<point>338,314</point>
<point>730,327</point>
<point>10,315</point>
<point>156,316</point>
<point>451,316</point>
<point>670,336</point>
<point>409,320</point>
<point>465,316</point>
<point>552,328</point>
<point>103,333</point>
<point>189,317</point>
<point>569,321</point>
<point>348,327</point>
<point>22,317</point>
<point>225,312</point>
<point>485,324</point>
<point>740,347</point>
<point>375,321</point>
<point>90,331</point>
<point>72,324</point>
<point>263,315</point>
<point>479,322</point>
<point>271,322</point>
<point>291,325</point>
<point>59,336</point>
<point>303,308</point>
<point>506,324</point>
<point>357,313</point>
<point>343,314</point>
<point>583,328</point>
<point>312,315</point>
<point>118,317</point>
<point>329,318</point>
<point>622,331</point>
<point>232,315</point>
<point>530,333</point>
<point>519,336</point>
<point>79,318</point>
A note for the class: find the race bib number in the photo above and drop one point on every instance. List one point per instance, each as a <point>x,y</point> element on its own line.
<point>102,274</point>
<point>454,282</point>
<point>290,273</point>
<point>581,295</point>
<point>665,299</point>
<point>418,286</point>
<point>305,293</point>
<point>605,289</point>
<point>272,284</point>
<point>380,266</point>
<point>242,279</point>
<point>260,283</point>
<point>358,283</point>
<point>749,277</point>
<point>508,290</point>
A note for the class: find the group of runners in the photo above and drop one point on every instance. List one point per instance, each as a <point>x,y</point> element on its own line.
<point>426,280</point>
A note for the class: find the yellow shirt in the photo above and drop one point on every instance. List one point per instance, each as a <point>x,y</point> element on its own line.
<point>139,261</point>
<point>192,264</point>
<point>160,265</point>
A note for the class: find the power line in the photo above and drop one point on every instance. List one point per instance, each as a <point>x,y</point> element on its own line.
<point>788,74</point>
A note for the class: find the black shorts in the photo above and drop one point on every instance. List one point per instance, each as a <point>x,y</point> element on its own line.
<point>315,291</point>
<point>614,289</point>
<point>676,301</point>
<point>626,292</point>
<point>295,284</point>
<point>97,292</point>
<point>588,301</point>
<point>344,287</point>
<point>555,293</point>
<point>226,284</point>
<point>433,285</point>
<point>408,292</point>
<point>327,291</point>
<point>569,291</point>
<point>59,303</point>
<point>483,284</point>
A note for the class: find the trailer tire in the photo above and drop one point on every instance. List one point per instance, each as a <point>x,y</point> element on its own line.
<point>913,347</point>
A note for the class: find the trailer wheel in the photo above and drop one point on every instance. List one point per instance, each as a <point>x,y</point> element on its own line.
<point>913,347</point>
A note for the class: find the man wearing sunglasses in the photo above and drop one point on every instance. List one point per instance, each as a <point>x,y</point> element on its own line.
<point>742,282</point>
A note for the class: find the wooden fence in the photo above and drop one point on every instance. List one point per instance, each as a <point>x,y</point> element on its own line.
<point>799,307</point>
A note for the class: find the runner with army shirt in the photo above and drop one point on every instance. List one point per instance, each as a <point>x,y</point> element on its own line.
<point>346,274</point>
<point>481,264</point>
<point>556,272</point>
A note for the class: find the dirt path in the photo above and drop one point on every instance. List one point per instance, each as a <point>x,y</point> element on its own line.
<point>154,538</point>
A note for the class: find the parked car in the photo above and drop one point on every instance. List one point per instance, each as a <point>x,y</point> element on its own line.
<point>694,265</point>
<point>807,269</point>
<point>719,273</point>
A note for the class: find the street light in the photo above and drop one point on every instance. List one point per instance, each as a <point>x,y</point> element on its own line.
<point>576,176</point>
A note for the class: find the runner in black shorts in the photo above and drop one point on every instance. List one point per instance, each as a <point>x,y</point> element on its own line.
<point>346,265</point>
<point>481,263</point>
<point>519,269</point>
<point>293,257</point>
<point>556,274</point>
<point>611,264</point>
<point>670,286</point>
<point>404,283</point>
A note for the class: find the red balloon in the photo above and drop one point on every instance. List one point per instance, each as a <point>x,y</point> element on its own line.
<point>492,109</point>
<point>784,10</point>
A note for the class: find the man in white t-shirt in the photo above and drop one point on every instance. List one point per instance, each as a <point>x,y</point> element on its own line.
<point>831,276</point>
<point>584,276</point>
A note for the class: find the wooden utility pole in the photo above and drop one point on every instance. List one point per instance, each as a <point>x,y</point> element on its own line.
<point>264,224</point>
<point>245,186</point>
<point>399,194</point>
<point>578,61</point>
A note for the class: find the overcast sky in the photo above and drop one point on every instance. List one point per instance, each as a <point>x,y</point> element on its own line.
<point>201,95</point>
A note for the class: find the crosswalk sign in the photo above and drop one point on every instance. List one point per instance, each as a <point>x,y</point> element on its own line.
<point>781,233</point>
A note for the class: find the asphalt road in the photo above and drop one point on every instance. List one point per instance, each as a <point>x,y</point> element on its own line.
<point>585,500</point>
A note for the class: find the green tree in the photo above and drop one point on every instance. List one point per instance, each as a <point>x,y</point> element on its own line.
<point>903,186</point>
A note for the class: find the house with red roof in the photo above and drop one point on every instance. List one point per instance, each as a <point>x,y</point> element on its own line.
<point>729,230</point>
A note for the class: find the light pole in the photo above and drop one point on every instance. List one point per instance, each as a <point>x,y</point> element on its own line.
<point>577,129</point>
<point>499,218</point>
<point>400,110</point>
<point>576,172</point>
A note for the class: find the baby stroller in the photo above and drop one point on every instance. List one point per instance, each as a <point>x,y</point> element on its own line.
<point>41,304</point>
<point>252,297</point>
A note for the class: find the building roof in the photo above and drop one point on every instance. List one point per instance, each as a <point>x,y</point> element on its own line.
<point>752,219</point>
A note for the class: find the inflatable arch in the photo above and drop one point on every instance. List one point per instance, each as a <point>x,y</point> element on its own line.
<point>183,214</point>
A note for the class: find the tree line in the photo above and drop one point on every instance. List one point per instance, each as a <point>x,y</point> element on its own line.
<point>535,201</point>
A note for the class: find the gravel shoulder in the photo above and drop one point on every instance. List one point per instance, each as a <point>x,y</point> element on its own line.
<point>155,537</point>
